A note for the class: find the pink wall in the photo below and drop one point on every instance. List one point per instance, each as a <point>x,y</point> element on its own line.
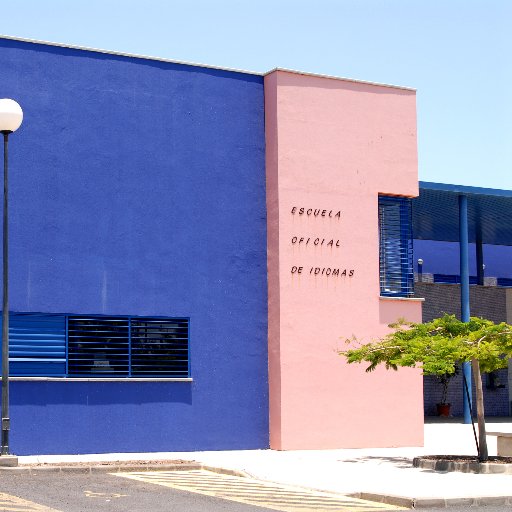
<point>334,145</point>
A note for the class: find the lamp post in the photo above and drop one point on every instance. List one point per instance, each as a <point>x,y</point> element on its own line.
<point>11,117</point>
<point>420,270</point>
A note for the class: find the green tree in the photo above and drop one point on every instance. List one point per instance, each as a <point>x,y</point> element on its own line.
<point>437,347</point>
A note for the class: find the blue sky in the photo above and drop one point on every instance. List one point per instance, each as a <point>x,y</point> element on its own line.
<point>456,53</point>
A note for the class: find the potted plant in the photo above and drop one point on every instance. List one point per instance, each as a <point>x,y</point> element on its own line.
<point>443,407</point>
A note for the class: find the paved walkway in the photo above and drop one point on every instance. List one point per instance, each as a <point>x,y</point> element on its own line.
<point>383,471</point>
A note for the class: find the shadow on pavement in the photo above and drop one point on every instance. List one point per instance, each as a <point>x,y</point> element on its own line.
<point>398,462</point>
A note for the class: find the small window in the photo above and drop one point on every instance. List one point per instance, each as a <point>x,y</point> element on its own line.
<point>395,247</point>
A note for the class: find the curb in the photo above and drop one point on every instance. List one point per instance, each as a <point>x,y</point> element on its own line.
<point>119,467</point>
<point>224,471</point>
<point>102,468</point>
<point>402,501</point>
<point>389,499</point>
<point>462,467</point>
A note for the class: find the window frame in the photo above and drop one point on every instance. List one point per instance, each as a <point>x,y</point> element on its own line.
<point>396,271</point>
<point>174,330</point>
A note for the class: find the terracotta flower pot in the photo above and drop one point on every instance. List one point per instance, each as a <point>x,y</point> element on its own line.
<point>443,409</point>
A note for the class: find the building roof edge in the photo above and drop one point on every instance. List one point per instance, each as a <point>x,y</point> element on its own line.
<point>125,54</point>
<point>464,189</point>
<point>344,79</point>
<point>197,64</point>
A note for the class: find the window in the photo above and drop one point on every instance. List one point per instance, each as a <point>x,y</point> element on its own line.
<point>98,346</point>
<point>395,247</point>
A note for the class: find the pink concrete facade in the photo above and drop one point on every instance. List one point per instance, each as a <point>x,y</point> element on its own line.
<point>332,147</point>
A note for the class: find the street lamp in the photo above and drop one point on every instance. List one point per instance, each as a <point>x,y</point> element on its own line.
<point>11,117</point>
<point>420,270</point>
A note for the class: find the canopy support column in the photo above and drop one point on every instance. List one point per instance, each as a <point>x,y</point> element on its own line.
<point>464,294</point>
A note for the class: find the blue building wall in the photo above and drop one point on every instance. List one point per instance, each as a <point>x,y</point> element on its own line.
<point>137,187</point>
<point>443,258</point>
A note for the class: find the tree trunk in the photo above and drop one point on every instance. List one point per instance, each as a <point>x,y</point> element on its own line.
<point>483,454</point>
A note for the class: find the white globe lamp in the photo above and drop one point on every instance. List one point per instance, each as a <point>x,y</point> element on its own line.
<point>11,115</point>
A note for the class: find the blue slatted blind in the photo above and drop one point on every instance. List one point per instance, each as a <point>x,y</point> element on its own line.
<point>37,344</point>
<point>395,247</point>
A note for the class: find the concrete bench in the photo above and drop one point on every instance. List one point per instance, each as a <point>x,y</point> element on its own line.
<point>504,443</point>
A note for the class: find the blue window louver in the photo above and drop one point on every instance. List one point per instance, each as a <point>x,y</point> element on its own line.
<point>37,345</point>
<point>98,346</point>
<point>395,247</point>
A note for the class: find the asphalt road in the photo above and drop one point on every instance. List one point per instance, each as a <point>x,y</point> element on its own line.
<point>92,492</point>
<point>101,491</point>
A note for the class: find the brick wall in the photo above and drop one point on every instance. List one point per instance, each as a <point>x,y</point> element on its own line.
<point>486,301</point>
<point>496,401</point>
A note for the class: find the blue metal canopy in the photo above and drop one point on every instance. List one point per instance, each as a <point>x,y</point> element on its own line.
<point>436,213</point>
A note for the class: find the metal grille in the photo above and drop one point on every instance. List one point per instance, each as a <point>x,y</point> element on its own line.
<point>98,346</point>
<point>127,346</point>
<point>159,347</point>
<point>395,247</point>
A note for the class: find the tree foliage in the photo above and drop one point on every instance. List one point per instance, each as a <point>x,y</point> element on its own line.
<point>438,346</point>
